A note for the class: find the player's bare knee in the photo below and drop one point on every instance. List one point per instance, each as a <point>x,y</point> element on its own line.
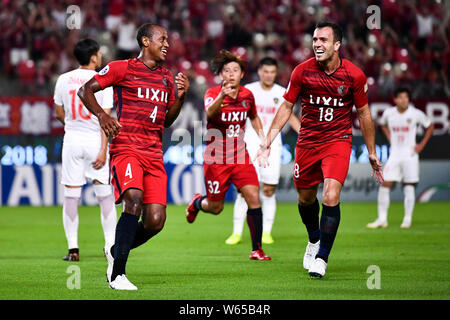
<point>155,220</point>
<point>330,198</point>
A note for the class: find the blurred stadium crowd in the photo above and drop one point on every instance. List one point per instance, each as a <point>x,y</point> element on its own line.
<point>412,46</point>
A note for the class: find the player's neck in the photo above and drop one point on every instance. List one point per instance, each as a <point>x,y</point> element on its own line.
<point>148,61</point>
<point>331,65</point>
<point>265,87</point>
<point>400,110</point>
<point>88,67</point>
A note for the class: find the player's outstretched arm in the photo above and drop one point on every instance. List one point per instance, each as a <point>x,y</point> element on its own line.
<point>109,125</point>
<point>282,116</point>
<point>368,132</point>
<point>295,123</point>
<point>257,125</point>
<point>182,83</point>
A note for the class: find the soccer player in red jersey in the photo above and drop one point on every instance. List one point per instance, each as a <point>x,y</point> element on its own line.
<point>148,98</point>
<point>226,159</point>
<point>328,87</point>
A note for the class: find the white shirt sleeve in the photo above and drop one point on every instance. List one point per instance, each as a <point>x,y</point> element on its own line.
<point>422,118</point>
<point>383,120</point>
<point>107,99</point>
<point>57,97</point>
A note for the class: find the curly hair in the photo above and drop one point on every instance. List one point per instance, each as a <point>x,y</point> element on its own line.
<point>224,57</point>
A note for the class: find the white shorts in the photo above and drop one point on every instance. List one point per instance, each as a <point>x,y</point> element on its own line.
<point>271,173</point>
<point>77,161</point>
<point>405,170</point>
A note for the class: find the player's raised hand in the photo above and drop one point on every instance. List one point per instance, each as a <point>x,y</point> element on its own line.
<point>228,89</point>
<point>109,125</point>
<point>182,82</point>
<point>376,168</point>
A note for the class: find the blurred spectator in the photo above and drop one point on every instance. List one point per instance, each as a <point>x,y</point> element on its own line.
<point>410,48</point>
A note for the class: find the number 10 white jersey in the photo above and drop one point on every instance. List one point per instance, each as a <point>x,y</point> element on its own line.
<point>77,117</point>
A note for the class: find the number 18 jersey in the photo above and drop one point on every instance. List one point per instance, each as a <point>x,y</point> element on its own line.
<point>326,100</point>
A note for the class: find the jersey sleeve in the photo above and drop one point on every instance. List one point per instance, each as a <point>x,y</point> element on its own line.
<point>210,96</point>
<point>107,98</point>
<point>360,90</point>
<point>295,85</point>
<point>252,113</point>
<point>112,73</point>
<point>57,96</point>
<point>384,118</point>
<point>422,118</point>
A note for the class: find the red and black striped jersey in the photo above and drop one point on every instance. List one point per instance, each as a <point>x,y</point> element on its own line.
<point>326,100</point>
<point>225,131</point>
<point>142,97</point>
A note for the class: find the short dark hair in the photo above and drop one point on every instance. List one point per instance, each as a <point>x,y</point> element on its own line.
<point>337,30</point>
<point>268,61</point>
<point>145,30</point>
<point>401,90</point>
<point>224,57</point>
<point>84,50</point>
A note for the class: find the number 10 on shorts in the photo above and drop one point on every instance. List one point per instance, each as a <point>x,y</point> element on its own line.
<point>213,187</point>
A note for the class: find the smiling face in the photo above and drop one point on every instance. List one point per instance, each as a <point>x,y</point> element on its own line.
<point>232,73</point>
<point>158,44</point>
<point>324,46</point>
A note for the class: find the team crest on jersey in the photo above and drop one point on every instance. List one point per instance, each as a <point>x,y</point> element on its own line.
<point>165,82</point>
<point>409,121</point>
<point>275,100</point>
<point>244,103</point>
<point>104,71</point>
<point>342,90</point>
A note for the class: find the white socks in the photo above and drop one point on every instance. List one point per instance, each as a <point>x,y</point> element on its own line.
<point>384,200</point>
<point>70,215</point>
<point>108,212</point>
<point>410,199</point>
<point>383,203</point>
<point>269,206</point>
<point>240,212</point>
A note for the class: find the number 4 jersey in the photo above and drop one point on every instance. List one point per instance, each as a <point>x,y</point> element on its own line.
<point>327,100</point>
<point>78,120</point>
<point>142,96</point>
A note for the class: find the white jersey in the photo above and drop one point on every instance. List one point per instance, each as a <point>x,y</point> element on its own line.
<point>78,119</point>
<point>267,104</point>
<point>403,128</point>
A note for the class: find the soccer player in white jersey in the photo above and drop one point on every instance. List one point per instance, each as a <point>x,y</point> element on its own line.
<point>268,97</point>
<point>399,124</point>
<point>84,153</point>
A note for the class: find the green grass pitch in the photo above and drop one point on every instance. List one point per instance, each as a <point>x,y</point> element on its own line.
<point>192,261</point>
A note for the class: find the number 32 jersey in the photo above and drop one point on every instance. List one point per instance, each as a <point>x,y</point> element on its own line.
<point>142,97</point>
<point>78,119</point>
<point>225,132</point>
<point>326,100</point>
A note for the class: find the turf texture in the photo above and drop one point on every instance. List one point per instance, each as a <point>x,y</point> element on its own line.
<point>193,262</point>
